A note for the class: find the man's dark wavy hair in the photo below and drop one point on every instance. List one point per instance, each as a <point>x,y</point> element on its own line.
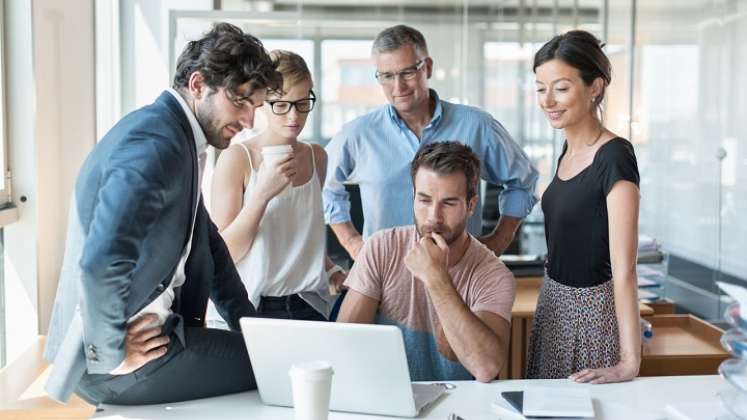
<point>228,58</point>
<point>446,158</point>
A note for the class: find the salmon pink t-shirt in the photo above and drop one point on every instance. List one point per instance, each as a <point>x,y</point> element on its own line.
<point>480,278</point>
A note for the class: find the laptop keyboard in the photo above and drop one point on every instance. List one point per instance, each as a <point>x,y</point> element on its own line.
<point>425,394</point>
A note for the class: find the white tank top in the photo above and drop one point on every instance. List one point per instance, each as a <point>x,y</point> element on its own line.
<point>288,252</point>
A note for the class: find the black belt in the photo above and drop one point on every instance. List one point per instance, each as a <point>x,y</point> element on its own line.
<point>295,298</point>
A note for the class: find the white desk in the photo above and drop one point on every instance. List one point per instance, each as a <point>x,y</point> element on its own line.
<point>644,398</point>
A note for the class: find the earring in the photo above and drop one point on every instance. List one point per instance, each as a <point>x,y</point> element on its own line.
<point>593,99</point>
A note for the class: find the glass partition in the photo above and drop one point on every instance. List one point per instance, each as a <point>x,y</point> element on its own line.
<point>678,68</point>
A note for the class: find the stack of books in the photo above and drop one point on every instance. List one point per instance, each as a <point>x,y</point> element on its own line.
<point>650,282</point>
<point>649,250</point>
<point>652,269</point>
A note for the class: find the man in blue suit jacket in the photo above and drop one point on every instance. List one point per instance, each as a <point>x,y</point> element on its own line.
<point>142,255</point>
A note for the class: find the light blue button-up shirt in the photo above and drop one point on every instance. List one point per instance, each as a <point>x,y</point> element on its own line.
<point>375,151</point>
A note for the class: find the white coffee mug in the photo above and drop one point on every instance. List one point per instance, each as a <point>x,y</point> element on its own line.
<point>311,383</point>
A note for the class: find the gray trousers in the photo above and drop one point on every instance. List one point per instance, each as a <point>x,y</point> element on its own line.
<point>207,363</point>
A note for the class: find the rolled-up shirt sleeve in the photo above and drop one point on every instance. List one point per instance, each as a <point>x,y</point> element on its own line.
<point>340,165</point>
<point>506,164</point>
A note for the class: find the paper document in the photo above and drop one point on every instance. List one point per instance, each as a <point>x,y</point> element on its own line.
<point>647,271</point>
<point>647,282</point>
<point>647,244</point>
<point>557,402</point>
<point>647,294</point>
<point>739,293</point>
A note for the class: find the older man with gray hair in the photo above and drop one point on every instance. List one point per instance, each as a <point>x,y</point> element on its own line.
<point>374,150</point>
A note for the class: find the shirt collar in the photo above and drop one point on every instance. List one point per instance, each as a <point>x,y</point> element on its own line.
<point>199,135</point>
<point>437,113</point>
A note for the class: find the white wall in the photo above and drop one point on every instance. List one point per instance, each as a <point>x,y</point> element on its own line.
<point>20,239</point>
<point>51,128</point>
<point>64,123</point>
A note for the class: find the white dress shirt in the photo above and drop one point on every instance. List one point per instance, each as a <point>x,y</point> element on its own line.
<point>161,305</point>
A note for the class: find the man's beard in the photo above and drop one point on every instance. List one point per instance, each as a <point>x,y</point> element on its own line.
<point>449,235</point>
<point>205,115</point>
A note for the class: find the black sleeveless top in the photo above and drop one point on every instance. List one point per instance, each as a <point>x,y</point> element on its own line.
<point>576,226</point>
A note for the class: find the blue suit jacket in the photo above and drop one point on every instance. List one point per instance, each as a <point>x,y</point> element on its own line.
<point>129,222</point>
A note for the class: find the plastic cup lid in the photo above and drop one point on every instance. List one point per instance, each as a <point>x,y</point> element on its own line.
<point>317,369</point>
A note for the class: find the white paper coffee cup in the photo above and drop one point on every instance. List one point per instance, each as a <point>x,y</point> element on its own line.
<point>272,154</point>
<point>311,383</point>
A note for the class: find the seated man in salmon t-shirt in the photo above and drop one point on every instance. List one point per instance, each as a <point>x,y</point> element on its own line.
<point>448,293</point>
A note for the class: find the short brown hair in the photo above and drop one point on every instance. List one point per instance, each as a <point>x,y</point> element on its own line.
<point>446,158</point>
<point>292,67</point>
<point>228,58</point>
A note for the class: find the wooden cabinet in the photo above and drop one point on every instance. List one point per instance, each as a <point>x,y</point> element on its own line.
<point>682,345</point>
<point>522,314</point>
<point>663,307</point>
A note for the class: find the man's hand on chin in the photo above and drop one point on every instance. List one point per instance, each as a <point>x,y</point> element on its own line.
<point>428,260</point>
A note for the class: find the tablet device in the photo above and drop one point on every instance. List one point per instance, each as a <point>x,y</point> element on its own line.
<point>515,398</point>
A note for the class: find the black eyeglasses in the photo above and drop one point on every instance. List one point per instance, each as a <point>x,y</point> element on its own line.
<point>303,106</point>
<point>408,73</point>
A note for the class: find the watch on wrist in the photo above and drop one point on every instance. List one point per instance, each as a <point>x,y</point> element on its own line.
<point>335,269</point>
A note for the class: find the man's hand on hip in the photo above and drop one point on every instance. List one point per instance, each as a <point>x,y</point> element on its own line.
<point>142,345</point>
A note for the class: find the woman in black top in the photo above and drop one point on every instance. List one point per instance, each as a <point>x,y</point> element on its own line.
<point>587,322</point>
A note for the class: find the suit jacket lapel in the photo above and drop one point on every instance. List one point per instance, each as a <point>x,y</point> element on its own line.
<point>195,187</point>
<point>189,137</point>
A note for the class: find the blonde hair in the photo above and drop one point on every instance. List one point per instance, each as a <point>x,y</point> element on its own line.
<point>293,68</point>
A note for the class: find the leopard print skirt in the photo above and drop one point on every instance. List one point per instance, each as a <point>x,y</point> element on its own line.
<point>574,329</point>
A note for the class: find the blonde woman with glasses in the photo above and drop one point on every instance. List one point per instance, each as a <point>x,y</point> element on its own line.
<point>267,204</point>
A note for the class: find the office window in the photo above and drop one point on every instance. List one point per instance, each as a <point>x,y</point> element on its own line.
<point>505,65</point>
<point>510,97</point>
<point>349,88</point>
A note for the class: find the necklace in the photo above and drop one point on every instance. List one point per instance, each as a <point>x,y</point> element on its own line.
<point>586,152</point>
<point>599,136</point>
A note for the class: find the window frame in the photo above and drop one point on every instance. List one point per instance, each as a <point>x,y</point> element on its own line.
<point>5,191</point>
<point>7,213</point>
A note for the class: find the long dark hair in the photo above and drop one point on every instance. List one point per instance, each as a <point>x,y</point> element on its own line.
<point>582,51</point>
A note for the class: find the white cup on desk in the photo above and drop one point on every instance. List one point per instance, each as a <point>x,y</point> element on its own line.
<point>273,154</point>
<point>311,383</point>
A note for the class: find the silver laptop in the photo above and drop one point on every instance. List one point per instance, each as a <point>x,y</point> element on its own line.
<point>370,367</point>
